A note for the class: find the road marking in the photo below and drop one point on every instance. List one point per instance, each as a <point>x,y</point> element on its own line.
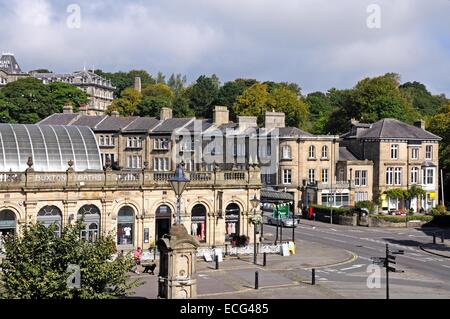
<point>333,239</point>
<point>353,267</point>
<point>333,229</point>
<point>446,266</point>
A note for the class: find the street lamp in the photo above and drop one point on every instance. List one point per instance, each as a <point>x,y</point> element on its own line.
<point>178,183</point>
<point>255,202</point>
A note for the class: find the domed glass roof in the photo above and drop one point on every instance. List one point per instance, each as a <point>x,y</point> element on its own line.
<point>50,146</point>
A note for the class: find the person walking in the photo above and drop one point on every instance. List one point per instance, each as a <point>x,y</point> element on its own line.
<point>137,259</point>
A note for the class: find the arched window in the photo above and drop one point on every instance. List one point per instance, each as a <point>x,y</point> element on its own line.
<point>324,151</point>
<point>50,215</point>
<point>287,154</point>
<point>312,151</point>
<point>198,219</point>
<point>125,226</point>
<point>91,220</point>
<point>232,216</point>
<point>7,222</point>
<point>163,217</point>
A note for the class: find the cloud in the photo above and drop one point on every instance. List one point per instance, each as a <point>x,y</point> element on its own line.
<point>316,43</point>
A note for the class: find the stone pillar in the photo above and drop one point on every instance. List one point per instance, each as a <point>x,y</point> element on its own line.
<point>178,256</point>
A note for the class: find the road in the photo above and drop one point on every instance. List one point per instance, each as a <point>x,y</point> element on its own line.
<point>425,274</point>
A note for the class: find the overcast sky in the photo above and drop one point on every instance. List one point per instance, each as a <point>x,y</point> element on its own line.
<point>316,43</point>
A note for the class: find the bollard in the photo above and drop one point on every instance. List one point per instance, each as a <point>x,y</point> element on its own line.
<point>313,277</point>
<point>256,280</point>
<point>442,237</point>
<point>434,238</point>
<point>217,262</point>
<point>264,259</point>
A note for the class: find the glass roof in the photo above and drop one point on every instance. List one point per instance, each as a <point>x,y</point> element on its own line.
<point>50,146</point>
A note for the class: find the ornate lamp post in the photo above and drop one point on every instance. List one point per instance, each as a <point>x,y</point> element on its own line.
<point>255,220</point>
<point>178,182</point>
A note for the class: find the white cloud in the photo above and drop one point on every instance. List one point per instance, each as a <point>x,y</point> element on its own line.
<point>316,43</point>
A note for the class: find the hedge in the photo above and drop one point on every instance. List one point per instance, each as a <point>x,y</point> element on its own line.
<point>402,219</point>
<point>336,211</point>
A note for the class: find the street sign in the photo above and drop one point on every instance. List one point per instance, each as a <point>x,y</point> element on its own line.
<point>390,257</point>
<point>283,211</point>
<point>400,252</point>
<point>390,269</point>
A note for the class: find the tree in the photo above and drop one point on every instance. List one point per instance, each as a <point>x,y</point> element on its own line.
<point>177,83</point>
<point>230,91</point>
<point>127,104</point>
<point>421,99</point>
<point>35,266</point>
<point>320,110</point>
<point>202,95</point>
<point>160,78</point>
<point>123,80</point>
<point>155,97</point>
<point>28,100</point>
<point>283,99</point>
<point>253,102</point>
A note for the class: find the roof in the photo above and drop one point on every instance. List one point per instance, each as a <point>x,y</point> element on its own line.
<point>292,132</point>
<point>59,119</point>
<point>115,123</point>
<point>169,125</point>
<point>50,146</point>
<point>199,125</point>
<point>270,195</point>
<point>142,124</point>
<point>395,129</point>
<point>88,120</point>
<point>8,63</point>
<point>346,155</point>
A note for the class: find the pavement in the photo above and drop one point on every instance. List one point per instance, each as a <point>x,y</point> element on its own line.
<point>341,256</point>
<point>289,276</point>
<point>438,249</point>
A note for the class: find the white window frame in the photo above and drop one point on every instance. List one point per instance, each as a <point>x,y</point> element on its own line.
<point>325,152</point>
<point>415,153</point>
<point>397,175</point>
<point>325,175</point>
<point>312,175</point>
<point>414,175</point>
<point>429,152</point>
<point>287,176</point>
<point>286,152</point>
<point>312,152</point>
<point>389,175</point>
<point>428,176</point>
<point>394,151</point>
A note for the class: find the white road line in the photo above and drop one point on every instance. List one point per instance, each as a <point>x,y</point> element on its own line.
<point>333,239</point>
<point>446,266</point>
<point>353,267</point>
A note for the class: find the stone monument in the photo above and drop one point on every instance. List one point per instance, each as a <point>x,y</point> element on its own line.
<point>178,256</point>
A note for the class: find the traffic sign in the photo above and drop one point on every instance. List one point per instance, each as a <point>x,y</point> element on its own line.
<point>390,269</point>
<point>400,252</point>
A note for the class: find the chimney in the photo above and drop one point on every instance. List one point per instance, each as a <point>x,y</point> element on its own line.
<point>115,114</point>
<point>137,84</point>
<point>420,124</point>
<point>67,109</point>
<point>246,122</point>
<point>353,121</point>
<point>165,114</point>
<point>220,115</point>
<point>274,120</point>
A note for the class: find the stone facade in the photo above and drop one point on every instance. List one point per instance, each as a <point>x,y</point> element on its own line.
<point>9,69</point>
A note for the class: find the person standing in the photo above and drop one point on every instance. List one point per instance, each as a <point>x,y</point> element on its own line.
<point>137,259</point>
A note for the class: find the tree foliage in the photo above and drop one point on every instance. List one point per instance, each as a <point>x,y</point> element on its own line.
<point>202,95</point>
<point>35,266</point>
<point>28,100</point>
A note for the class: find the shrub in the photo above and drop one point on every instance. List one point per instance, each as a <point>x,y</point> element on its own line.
<point>366,204</point>
<point>441,209</point>
<point>401,219</point>
<point>336,211</point>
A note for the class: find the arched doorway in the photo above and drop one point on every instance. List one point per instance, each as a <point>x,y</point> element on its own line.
<point>232,216</point>
<point>125,226</point>
<point>91,215</point>
<point>163,221</point>
<point>198,220</point>
<point>50,215</point>
<point>7,222</point>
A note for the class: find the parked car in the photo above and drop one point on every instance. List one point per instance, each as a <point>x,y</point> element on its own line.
<point>284,221</point>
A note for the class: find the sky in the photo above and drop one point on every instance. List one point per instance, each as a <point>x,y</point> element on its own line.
<point>316,43</point>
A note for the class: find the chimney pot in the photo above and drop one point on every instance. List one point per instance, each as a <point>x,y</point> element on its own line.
<point>115,113</point>
<point>165,114</point>
<point>420,124</point>
<point>67,109</point>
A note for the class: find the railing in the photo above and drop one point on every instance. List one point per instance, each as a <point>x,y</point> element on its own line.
<point>57,180</point>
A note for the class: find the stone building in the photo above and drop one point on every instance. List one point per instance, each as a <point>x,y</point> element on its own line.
<point>9,69</point>
<point>99,90</point>
<point>403,155</point>
<point>54,174</point>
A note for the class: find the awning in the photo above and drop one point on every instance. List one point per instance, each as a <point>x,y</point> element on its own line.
<point>271,195</point>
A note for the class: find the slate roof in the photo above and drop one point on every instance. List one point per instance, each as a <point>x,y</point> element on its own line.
<point>88,120</point>
<point>292,132</point>
<point>169,125</point>
<point>8,63</point>
<point>270,195</point>
<point>59,119</point>
<point>346,155</point>
<point>392,128</point>
<point>113,123</point>
<point>199,124</point>
<point>142,124</point>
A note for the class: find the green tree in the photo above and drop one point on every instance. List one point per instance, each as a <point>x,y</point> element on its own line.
<point>320,110</point>
<point>28,100</point>
<point>421,99</point>
<point>160,78</point>
<point>122,80</point>
<point>35,266</point>
<point>127,104</point>
<point>229,92</point>
<point>253,102</point>
<point>202,95</point>
<point>155,97</point>
<point>285,100</point>
<point>177,83</point>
